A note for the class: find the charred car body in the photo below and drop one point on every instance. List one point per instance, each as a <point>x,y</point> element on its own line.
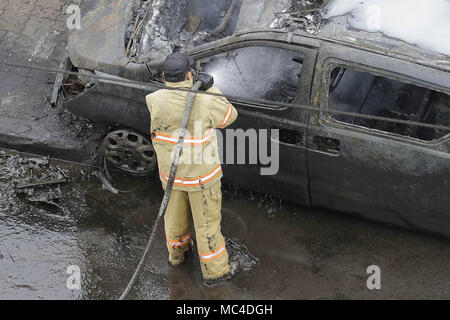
<point>385,171</point>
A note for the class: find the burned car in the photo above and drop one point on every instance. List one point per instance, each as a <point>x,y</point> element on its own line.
<point>266,55</point>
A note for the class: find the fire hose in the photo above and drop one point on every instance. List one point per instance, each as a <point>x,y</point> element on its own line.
<point>204,82</point>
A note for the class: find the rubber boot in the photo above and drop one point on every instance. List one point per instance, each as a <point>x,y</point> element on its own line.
<point>234,269</point>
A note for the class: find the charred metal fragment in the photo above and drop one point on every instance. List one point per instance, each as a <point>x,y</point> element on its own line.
<point>40,183</point>
<point>301,14</point>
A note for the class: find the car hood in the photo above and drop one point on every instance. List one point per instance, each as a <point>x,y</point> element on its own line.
<point>100,43</point>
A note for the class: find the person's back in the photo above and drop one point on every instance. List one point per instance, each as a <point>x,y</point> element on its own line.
<point>197,186</point>
<point>200,156</point>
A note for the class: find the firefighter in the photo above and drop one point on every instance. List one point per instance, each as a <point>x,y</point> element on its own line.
<point>197,187</point>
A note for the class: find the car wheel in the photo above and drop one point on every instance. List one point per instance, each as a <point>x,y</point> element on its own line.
<point>130,151</point>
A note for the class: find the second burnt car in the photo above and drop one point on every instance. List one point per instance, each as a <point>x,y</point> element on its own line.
<point>267,54</point>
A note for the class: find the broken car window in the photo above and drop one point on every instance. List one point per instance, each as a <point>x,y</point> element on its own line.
<point>257,73</point>
<point>369,94</point>
<point>167,26</point>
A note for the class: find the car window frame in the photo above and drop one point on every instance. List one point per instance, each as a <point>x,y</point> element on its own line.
<point>325,118</point>
<point>306,76</point>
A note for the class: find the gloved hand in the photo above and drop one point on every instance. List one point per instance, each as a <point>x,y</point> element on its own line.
<point>206,79</point>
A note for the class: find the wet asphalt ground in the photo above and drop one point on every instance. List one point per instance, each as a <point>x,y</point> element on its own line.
<point>304,253</point>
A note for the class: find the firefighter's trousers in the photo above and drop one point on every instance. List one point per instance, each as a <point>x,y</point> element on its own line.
<point>205,208</point>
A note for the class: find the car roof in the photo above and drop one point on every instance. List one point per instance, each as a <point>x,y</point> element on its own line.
<point>260,15</point>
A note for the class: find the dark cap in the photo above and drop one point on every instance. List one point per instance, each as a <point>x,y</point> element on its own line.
<point>177,66</point>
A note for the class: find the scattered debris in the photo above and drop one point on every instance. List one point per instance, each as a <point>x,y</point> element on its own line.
<point>21,176</point>
<point>38,161</point>
<point>39,183</point>
<point>162,27</point>
<point>303,14</point>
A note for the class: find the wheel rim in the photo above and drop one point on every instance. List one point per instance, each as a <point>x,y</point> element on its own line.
<point>130,152</point>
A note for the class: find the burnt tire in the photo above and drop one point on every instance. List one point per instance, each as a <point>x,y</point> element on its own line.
<point>130,152</point>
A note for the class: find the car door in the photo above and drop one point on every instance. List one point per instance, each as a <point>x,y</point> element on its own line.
<point>265,149</point>
<point>385,171</point>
